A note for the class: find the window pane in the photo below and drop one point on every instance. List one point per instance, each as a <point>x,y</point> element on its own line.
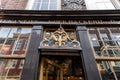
<point>105,39</point>
<point>14,33</point>
<point>37,0</point>
<point>53,6</point>
<point>22,42</point>
<point>95,43</point>
<point>7,49</point>
<point>25,33</point>
<point>104,53</point>
<point>116,38</point>
<point>19,44</point>
<point>25,44</point>
<point>20,47</point>
<point>116,68</point>
<point>16,39</point>
<point>36,6</point>
<point>3,35</point>
<point>4,32</point>
<point>109,5</point>
<point>9,69</point>
<point>44,6</point>
<point>111,53</point>
<point>26,30</point>
<point>116,52</point>
<point>106,0</point>
<point>9,44</point>
<point>45,1</point>
<point>106,70</point>
<point>104,36</point>
<point>94,39</point>
<point>100,5</point>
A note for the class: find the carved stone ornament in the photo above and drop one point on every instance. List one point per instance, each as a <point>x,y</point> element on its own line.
<point>73,5</point>
<point>58,39</point>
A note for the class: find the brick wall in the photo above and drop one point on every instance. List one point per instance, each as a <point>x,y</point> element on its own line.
<point>14,4</point>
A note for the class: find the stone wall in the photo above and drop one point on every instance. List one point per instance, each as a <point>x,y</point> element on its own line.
<point>14,4</point>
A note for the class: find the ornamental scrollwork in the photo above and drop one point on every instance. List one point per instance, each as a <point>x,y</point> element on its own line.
<point>59,38</point>
<point>73,5</point>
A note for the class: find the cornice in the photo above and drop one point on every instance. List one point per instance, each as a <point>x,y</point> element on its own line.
<point>78,17</point>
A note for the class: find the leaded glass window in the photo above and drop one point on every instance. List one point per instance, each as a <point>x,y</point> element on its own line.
<point>59,38</point>
<point>14,43</point>
<point>94,40</point>
<point>45,5</point>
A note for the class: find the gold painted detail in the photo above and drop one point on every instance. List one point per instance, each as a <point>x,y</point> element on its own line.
<point>60,38</point>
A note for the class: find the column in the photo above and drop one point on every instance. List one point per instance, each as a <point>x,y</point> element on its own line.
<point>88,60</point>
<point>31,66</point>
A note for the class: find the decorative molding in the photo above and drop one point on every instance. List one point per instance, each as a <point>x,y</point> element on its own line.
<point>73,5</point>
<point>59,39</point>
<point>72,22</point>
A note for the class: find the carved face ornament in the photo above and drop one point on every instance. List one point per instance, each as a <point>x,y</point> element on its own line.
<point>73,4</point>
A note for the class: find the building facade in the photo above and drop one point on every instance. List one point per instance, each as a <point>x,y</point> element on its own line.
<point>60,40</point>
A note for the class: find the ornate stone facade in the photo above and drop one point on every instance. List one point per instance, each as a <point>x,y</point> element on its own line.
<point>73,5</point>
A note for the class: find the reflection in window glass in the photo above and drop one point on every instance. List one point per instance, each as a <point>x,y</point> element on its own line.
<point>104,4</point>
<point>19,44</point>
<point>26,30</point>
<point>9,44</point>
<point>104,36</point>
<point>111,53</point>
<point>37,0</point>
<point>10,39</point>
<point>14,32</point>
<point>25,33</point>
<point>101,53</point>
<point>94,39</point>
<point>11,64</point>
<point>109,5</point>
<point>100,5</point>
<point>106,70</point>
<point>25,44</point>
<point>36,6</point>
<point>107,55</point>
<point>114,52</point>
<point>3,35</point>
<point>14,39</point>
<point>1,42</point>
<point>9,69</point>
<point>45,5</point>
<point>53,6</point>
<point>21,64</point>
<point>116,38</point>
<point>19,30</point>
<point>4,32</point>
<point>6,50</point>
<point>104,53</point>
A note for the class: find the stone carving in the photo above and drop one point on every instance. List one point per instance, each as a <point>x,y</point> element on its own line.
<point>73,5</point>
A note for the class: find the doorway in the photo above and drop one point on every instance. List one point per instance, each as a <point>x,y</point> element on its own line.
<point>61,68</point>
